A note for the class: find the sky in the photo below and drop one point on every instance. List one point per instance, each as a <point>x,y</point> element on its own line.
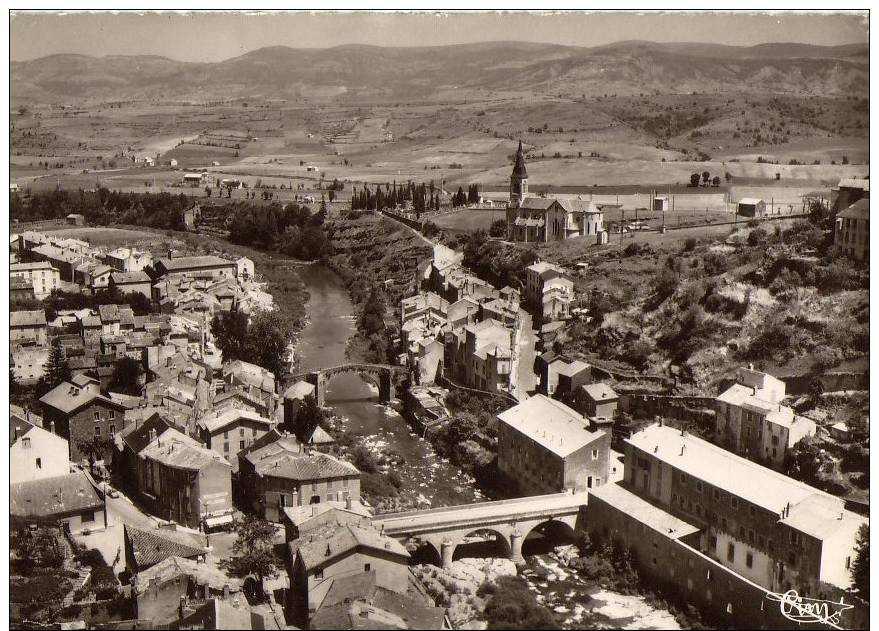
<point>219,36</point>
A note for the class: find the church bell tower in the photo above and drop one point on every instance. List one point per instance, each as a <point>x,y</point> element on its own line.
<point>518,180</point>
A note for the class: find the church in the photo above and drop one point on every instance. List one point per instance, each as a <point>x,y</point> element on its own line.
<point>540,219</point>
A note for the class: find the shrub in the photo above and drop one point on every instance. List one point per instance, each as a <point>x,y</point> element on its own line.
<point>690,244</point>
<point>513,606</point>
<point>714,263</point>
<point>363,459</point>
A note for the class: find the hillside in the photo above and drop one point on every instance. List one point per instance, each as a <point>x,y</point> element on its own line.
<point>423,73</point>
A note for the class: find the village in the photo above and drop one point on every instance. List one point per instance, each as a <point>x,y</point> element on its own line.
<point>166,482</point>
<point>449,320</point>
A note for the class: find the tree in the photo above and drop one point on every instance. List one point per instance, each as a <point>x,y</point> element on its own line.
<point>705,177</point>
<point>860,568</point>
<point>716,180</point>
<point>208,191</point>
<point>94,448</point>
<point>253,551</point>
<point>498,228</point>
<point>57,370</point>
<point>308,417</point>
<point>512,606</point>
<point>694,180</point>
<point>816,389</point>
<point>126,377</point>
<point>230,329</point>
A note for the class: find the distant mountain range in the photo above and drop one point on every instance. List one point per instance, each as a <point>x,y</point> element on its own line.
<point>629,67</point>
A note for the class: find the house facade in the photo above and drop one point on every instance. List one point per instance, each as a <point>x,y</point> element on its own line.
<point>42,276</point>
<point>851,231</point>
<point>545,447</point>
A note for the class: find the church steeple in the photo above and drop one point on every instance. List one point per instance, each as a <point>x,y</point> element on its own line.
<point>518,179</point>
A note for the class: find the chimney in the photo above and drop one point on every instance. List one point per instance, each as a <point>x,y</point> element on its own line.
<point>170,254</point>
<point>60,495</point>
<point>387,545</point>
<point>226,591</point>
<point>152,435</point>
<point>683,448</point>
<point>750,366</point>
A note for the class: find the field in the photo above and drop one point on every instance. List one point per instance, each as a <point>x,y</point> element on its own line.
<point>649,142</point>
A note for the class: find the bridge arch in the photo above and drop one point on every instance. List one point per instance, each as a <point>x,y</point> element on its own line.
<point>382,373</point>
<point>542,537</point>
<point>483,542</point>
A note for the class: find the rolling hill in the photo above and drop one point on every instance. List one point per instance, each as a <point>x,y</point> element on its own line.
<point>425,72</point>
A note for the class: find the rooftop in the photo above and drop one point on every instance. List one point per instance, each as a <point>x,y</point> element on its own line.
<point>62,495</point>
<point>859,210</point>
<point>643,511</point>
<point>550,423</point>
<point>68,398</point>
<point>283,459</point>
<point>174,566</point>
<point>216,421</point>
<point>299,390</point>
<point>154,546</point>
<point>321,551</point>
<point>750,201</point>
<point>175,449</point>
<point>129,277</point>
<point>27,318</point>
<point>742,478</point>
<point>192,262</point>
<point>600,392</point>
<point>852,182</point>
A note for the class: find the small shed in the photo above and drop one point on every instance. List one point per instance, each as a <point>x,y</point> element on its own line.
<point>751,207</point>
<point>75,219</point>
<point>172,162</point>
<point>661,203</point>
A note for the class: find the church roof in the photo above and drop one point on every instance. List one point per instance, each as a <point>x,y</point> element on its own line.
<point>519,168</point>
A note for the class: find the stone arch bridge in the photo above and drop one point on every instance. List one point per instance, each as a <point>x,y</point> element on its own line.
<point>510,520</point>
<point>382,373</point>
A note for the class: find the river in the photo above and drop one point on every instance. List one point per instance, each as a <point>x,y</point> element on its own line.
<point>428,480</point>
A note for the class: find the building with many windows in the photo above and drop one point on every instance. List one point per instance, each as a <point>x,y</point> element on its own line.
<point>545,447</point>
<point>768,528</point>
<point>42,276</point>
<point>751,421</point>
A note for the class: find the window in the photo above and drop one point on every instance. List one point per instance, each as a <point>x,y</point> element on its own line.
<point>240,445</point>
<point>39,463</point>
<point>683,478</point>
<point>749,559</point>
<point>253,432</point>
<point>26,442</point>
<point>761,541</point>
<point>97,431</point>
<point>716,494</point>
<point>731,553</point>
<point>367,567</point>
<point>112,430</point>
<point>595,454</point>
<point>750,536</point>
<point>848,563</point>
<point>241,431</point>
<point>712,542</point>
<point>226,446</point>
<point>97,416</point>
<point>112,414</point>
<point>734,502</point>
<point>226,434</point>
<point>88,517</point>
<point>699,486</point>
<point>752,511</point>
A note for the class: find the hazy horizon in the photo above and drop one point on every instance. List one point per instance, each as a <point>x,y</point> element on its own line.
<point>214,37</point>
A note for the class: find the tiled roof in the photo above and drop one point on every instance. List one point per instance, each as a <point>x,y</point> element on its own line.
<point>154,546</point>
<point>282,459</point>
<point>175,449</point>
<point>137,435</point>
<point>217,421</point>
<point>68,398</point>
<point>174,566</point>
<point>183,263</point>
<point>859,210</point>
<point>27,318</point>
<point>62,495</point>
<point>321,551</point>
<point>129,277</point>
